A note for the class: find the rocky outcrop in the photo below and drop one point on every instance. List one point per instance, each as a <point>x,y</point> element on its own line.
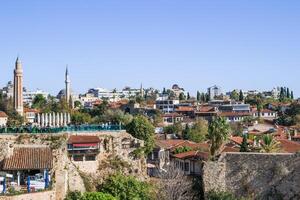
<point>255,175</point>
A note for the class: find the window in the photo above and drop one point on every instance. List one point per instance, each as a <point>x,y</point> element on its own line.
<point>78,157</point>
<point>90,157</point>
<point>186,166</point>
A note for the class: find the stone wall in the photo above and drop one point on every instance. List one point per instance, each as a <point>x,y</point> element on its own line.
<point>67,174</point>
<point>256,175</point>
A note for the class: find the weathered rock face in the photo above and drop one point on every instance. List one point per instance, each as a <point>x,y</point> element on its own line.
<point>260,176</point>
<point>116,150</point>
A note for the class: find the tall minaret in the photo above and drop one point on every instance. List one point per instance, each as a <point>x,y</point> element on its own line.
<point>142,90</point>
<point>68,86</point>
<point>18,87</point>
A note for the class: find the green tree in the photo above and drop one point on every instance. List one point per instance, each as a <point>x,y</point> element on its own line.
<point>116,117</point>
<point>198,131</point>
<point>14,119</point>
<point>269,144</point>
<point>186,132</point>
<point>164,91</point>
<point>188,96</point>
<point>80,118</point>
<point>97,196</point>
<point>207,97</point>
<point>77,104</point>
<point>244,145</point>
<point>292,95</point>
<point>141,128</point>
<point>234,95</point>
<point>203,97</point>
<point>175,128</point>
<point>39,101</point>
<point>288,95</point>
<point>218,131</point>
<point>73,195</point>
<point>198,96</point>
<point>100,109</point>
<point>181,96</point>
<point>241,97</point>
<point>126,188</point>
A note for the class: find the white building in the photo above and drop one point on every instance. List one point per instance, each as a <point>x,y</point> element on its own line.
<point>166,105</point>
<point>214,91</point>
<point>8,90</point>
<point>28,96</point>
<point>3,119</point>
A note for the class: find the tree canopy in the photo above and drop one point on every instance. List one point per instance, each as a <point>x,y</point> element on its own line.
<point>218,132</point>
<point>141,128</point>
<point>126,188</point>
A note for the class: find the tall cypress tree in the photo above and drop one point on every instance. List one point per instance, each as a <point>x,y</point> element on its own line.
<point>198,96</point>
<point>244,145</point>
<point>292,95</point>
<point>288,95</point>
<point>202,97</point>
<point>281,96</point>
<point>241,97</point>
<point>188,95</point>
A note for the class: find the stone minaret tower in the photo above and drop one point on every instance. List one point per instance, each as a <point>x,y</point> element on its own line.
<point>142,94</point>
<point>18,87</point>
<point>68,86</point>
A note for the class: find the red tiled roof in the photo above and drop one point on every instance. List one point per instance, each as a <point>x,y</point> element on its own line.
<point>230,149</point>
<point>239,140</point>
<point>29,158</point>
<point>192,154</point>
<point>173,144</point>
<point>3,114</point>
<point>289,146</point>
<point>26,110</point>
<point>77,139</point>
<point>184,109</point>
<point>206,109</point>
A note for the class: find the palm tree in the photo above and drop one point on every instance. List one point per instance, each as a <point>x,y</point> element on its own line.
<point>269,144</point>
<point>218,131</point>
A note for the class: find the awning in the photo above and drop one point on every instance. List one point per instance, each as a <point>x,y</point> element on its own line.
<point>85,145</point>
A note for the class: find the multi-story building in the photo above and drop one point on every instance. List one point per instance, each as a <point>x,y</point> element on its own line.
<point>177,90</point>
<point>28,96</point>
<point>166,105</point>
<point>214,92</point>
<point>8,90</point>
<point>234,108</point>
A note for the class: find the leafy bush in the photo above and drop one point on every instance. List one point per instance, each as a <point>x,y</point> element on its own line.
<point>182,149</point>
<point>126,188</point>
<point>97,196</point>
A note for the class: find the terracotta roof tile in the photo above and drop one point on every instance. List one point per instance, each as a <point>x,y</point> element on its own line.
<point>29,158</point>
<point>78,139</point>
<point>3,114</point>
<point>238,140</point>
<point>289,146</point>
<point>192,154</point>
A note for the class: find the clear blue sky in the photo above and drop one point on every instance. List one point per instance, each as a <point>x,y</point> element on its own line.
<point>247,44</point>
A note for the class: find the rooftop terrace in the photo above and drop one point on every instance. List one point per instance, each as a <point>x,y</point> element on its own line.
<point>73,128</point>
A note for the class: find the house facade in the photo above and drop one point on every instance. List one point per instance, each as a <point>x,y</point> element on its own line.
<point>3,119</point>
